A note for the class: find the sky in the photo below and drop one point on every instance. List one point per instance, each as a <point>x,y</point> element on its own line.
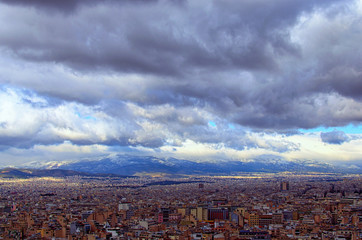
<point>201,80</point>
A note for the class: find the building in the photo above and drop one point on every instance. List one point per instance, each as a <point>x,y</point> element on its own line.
<point>284,186</point>
<point>217,213</point>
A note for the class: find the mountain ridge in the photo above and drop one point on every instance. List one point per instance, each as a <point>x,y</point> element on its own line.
<point>132,165</point>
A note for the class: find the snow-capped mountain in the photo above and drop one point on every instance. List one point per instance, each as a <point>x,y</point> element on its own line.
<point>130,165</point>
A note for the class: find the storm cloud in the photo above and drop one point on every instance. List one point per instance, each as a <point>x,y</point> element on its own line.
<point>156,73</point>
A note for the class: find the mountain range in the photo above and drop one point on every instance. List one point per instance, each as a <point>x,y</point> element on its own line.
<point>129,165</point>
<point>135,165</point>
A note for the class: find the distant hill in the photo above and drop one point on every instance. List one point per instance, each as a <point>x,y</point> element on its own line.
<point>29,173</point>
<point>130,165</point>
<point>14,173</point>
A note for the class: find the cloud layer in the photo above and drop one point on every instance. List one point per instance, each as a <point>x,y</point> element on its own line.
<point>154,74</point>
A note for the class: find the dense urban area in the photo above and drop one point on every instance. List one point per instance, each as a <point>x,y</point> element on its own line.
<point>285,206</point>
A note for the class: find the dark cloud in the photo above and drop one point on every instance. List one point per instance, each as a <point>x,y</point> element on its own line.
<point>335,137</point>
<point>58,4</point>
<point>68,6</point>
<point>261,64</point>
<point>346,80</point>
<point>160,38</point>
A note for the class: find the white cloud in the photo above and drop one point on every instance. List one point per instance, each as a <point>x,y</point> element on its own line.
<point>27,120</point>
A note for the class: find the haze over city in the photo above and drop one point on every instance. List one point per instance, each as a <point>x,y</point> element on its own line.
<point>195,80</point>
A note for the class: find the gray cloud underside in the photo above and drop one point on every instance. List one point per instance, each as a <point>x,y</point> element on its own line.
<point>69,6</point>
<point>268,65</point>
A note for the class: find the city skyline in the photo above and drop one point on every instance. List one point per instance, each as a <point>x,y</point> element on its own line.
<point>196,80</point>
<point>193,208</point>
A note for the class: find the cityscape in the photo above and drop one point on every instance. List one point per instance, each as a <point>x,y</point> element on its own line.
<point>252,206</point>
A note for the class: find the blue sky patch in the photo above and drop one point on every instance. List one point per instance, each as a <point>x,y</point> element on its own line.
<point>349,129</point>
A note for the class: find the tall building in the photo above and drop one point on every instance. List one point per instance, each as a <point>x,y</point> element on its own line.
<point>165,214</point>
<point>284,186</point>
<point>201,213</point>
